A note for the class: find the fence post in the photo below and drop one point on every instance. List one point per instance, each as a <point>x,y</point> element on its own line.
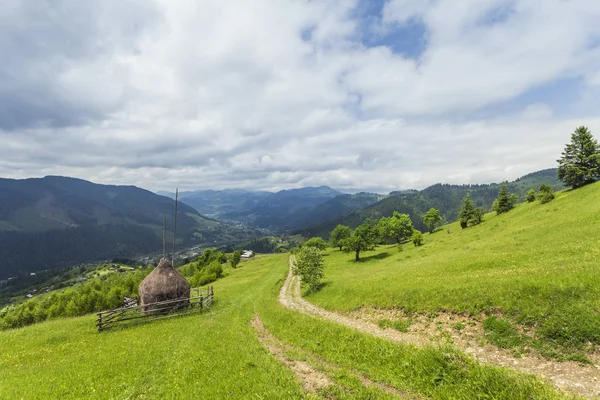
<point>201,301</point>
<point>99,322</point>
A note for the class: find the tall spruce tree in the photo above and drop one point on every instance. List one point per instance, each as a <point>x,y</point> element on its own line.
<point>580,162</point>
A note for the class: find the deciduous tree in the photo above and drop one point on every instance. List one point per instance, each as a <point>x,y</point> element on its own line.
<point>363,239</point>
<point>431,219</point>
<point>340,233</point>
<point>398,227</point>
<point>315,242</point>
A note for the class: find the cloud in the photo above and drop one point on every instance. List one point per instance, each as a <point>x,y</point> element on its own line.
<point>271,94</point>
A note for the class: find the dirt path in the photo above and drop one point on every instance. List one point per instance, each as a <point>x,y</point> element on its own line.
<point>310,377</point>
<point>568,376</point>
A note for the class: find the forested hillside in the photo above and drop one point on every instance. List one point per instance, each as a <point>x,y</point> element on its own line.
<point>272,211</point>
<point>444,197</point>
<point>56,221</point>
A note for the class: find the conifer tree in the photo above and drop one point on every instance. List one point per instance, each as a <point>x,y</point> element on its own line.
<point>505,201</point>
<point>580,162</point>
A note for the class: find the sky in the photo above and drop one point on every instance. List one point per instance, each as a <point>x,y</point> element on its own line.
<point>275,94</point>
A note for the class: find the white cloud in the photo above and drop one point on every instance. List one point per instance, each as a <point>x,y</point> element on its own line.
<point>233,94</point>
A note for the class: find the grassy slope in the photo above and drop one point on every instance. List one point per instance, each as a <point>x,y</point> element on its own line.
<point>216,355</point>
<point>540,264</point>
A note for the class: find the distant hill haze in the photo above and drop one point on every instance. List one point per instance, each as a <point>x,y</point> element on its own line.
<point>314,211</point>
<point>55,221</point>
<point>281,211</point>
<point>444,197</point>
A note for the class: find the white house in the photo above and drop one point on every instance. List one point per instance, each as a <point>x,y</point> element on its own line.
<point>247,254</point>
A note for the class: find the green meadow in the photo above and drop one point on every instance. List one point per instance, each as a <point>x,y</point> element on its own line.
<point>217,355</point>
<point>536,267</point>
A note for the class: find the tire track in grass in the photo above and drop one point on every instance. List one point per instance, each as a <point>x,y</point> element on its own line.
<point>311,378</point>
<point>568,376</point>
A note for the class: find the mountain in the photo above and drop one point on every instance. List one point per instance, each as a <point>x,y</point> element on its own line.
<point>282,211</point>
<point>214,203</point>
<point>333,208</point>
<point>56,221</point>
<point>446,198</point>
<point>272,211</point>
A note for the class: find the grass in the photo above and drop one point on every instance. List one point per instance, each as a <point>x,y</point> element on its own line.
<point>537,265</point>
<point>217,355</point>
<point>401,326</point>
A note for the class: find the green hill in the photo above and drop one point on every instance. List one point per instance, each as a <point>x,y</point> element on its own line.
<point>529,278</point>
<point>446,198</point>
<point>56,221</point>
<point>538,266</point>
<point>218,355</point>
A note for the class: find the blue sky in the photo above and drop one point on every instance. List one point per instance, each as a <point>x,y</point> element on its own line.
<point>273,94</point>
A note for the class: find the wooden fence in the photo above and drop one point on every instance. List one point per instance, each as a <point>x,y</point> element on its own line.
<point>134,313</point>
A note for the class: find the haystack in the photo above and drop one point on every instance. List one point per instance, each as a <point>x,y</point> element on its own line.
<point>164,283</point>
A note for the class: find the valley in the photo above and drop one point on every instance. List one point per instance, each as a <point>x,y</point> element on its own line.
<point>503,308</point>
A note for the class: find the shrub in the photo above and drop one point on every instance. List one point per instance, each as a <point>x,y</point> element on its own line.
<point>309,265</point>
<point>546,194</point>
<point>530,196</point>
<point>417,238</point>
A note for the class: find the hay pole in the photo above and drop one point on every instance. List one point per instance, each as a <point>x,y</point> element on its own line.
<point>175,227</point>
<point>165,237</point>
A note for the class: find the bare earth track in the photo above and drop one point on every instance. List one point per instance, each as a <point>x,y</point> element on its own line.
<point>568,376</point>
<point>312,379</point>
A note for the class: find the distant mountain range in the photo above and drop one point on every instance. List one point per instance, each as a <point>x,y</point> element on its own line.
<point>446,198</point>
<point>215,203</point>
<point>314,211</point>
<point>281,211</point>
<point>56,221</point>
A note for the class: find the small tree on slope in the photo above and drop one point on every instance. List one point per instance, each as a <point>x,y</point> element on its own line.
<point>398,227</point>
<point>363,239</point>
<point>431,219</point>
<point>505,201</point>
<point>236,257</point>
<point>580,162</point>
<point>338,235</point>
<point>315,242</point>
<point>469,214</point>
<point>530,196</point>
